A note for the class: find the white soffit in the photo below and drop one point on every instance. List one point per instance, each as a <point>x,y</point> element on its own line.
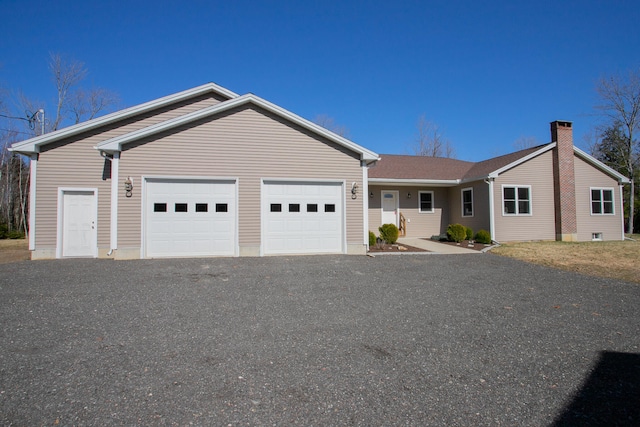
<point>33,145</point>
<point>115,144</point>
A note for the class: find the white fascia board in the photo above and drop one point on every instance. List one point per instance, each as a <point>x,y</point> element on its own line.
<point>521,160</point>
<point>115,144</point>
<point>415,182</point>
<point>597,163</point>
<point>33,145</point>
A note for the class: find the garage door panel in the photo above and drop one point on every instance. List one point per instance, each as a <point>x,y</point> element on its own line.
<point>190,224</point>
<point>309,218</point>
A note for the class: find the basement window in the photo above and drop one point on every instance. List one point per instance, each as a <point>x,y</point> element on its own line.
<point>596,237</point>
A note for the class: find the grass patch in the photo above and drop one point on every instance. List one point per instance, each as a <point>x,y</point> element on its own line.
<point>617,260</point>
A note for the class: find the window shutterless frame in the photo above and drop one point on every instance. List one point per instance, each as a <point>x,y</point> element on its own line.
<point>516,200</point>
<point>602,201</point>
<point>425,202</point>
<point>466,196</point>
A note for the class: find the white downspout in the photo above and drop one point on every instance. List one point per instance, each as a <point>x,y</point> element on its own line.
<point>620,185</point>
<point>492,220</point>
<point>33,167</point>
<point>115,168</point>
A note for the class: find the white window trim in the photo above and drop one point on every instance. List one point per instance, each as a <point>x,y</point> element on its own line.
<point>517,200</point>
<point>433,202</point>
<point>613,201</point>
<point>462,203</point>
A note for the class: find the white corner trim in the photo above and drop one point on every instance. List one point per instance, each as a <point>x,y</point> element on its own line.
<point>115,180</point>
<point>33,170</point>
<point>365,203</point>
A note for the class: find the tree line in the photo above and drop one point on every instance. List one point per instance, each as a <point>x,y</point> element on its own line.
<point>22,117</point>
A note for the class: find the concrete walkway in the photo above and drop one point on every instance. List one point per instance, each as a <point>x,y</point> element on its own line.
<point>435,247</point>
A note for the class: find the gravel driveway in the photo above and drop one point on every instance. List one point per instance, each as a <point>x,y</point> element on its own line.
<point>330,340</point>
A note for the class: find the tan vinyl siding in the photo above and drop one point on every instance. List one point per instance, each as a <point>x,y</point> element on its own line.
<point>588,177</point>
<point>540,225</point>
<point>75,163</point>
<point>248,144</point>
<point>419,224</point>
<point>480,219</point>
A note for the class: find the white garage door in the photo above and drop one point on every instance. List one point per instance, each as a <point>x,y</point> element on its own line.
<point>190,218</point>
<point>302,217</point>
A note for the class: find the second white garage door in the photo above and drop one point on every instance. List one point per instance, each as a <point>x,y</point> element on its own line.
<point>190,218</point>
<point>302,218</point>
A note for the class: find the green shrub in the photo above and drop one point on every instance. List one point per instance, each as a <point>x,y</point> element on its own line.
<point>15,235</point>
<point>469,233</point>
<point>3,231</point>
<point>456,232</point>
<point>483,236</point>
<point>372,239</point>
<point>389,233</point>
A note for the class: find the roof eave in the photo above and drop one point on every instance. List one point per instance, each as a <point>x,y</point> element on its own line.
<point>115,144</point>
<point>608,170</point>
<point>416,182</point>
<point>32,145</point>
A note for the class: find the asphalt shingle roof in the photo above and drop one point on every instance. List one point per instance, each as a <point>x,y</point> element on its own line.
<point>393,166</point>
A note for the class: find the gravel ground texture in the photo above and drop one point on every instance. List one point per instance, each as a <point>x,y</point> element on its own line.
<point>454,340</point>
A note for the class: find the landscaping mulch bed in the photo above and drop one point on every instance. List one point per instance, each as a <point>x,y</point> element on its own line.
<point>464,244</point>
<point>395,248</point>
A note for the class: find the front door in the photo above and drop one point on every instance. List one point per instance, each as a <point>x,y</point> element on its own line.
<point>390,207</point>
<point>79,237</point>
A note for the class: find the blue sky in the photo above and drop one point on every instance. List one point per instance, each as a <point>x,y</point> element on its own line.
<point>486,72</point>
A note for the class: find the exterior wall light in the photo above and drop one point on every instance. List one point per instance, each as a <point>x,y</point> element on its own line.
<point>128,186</point>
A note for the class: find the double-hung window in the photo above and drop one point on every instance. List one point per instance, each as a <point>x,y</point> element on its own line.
<point>426,201</point>
<point>516,200</point>
<point>602,201</point>
<point>467,202</point>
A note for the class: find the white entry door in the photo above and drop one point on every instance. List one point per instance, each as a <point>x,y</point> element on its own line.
<point>390,207</point>
<point>79,234</point>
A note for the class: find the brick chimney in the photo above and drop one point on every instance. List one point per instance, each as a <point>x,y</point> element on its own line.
<point>564,181</point>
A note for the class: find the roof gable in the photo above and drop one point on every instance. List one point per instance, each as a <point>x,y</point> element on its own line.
<point>116,144</point>
<point>444,171</point>
<point>33,145</point>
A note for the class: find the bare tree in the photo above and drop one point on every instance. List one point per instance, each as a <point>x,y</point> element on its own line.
<point>87,104</point>
<point>620,104</point>
<point>329,123</point>
<point>430,140</point>
<point>65,75</point>
<point>525,142</point>
<point>81,104</point>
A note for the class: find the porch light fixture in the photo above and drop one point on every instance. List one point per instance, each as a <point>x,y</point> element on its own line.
<point>354,190</point>
<point>371,195</point>
<point>408,195</point>
<point>128,186</point>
